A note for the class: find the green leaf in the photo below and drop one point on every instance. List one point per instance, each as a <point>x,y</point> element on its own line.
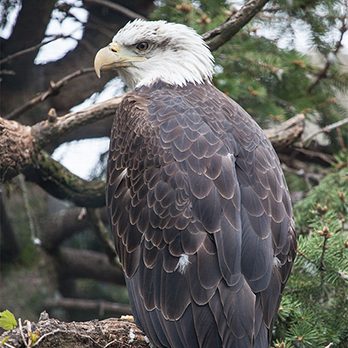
<point>7,320</point>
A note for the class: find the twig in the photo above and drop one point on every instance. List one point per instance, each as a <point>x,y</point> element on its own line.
<point>325,129</point>
<point>33,48</point>
<point>8,345</point>
<point>323,73</point>
<point>46,335</point>
<point>315,177</point>
<point>326,234</point>
<point>53,89</point>
<point>117,7</point>
<point>224,32</point>
<point>324,158</point>
<point>22,333</point>
<point>112,342</point>
<point>272,9</point>
<point>7,72</point>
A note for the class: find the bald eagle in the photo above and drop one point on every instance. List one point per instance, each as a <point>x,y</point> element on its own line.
<point>197,200</point>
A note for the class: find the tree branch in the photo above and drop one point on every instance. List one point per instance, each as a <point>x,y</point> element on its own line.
<point>61,183</point>
<point>62,226</point>
<point>83,304</point>
<point>32,48</point>
<point>117,7</point>
<point>52,90</point>
<point>78,263</point>
<point>325,129</point>
<point>332,56</point>
<point>115,333</point>
<point>46,132</point>
<point>30,27</point>
<point>221,34</point>
<point>287,132</point>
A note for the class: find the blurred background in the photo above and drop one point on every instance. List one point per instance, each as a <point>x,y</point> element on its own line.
<point>291,59</point>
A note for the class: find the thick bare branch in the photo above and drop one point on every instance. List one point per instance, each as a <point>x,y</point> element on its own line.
<point>16,148</point>
<point>19,153</point>
<point>224,32</point>
<point>62,225</point>
<point>50,333</point>
<point>76,263</point>
<point>287,132</point>
<point>45,132</point>
<point>61,183</point>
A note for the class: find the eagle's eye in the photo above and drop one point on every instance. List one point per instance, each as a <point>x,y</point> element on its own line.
<point>142,46</point>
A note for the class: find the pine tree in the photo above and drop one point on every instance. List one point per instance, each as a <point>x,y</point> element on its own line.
<point>314,309</point>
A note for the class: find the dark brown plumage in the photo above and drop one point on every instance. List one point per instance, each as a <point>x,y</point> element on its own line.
<point>190,173</point>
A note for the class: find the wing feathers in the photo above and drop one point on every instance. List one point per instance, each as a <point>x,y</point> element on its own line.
<point>199,209</point>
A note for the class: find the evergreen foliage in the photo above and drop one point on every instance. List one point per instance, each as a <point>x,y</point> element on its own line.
<point>314,308</point>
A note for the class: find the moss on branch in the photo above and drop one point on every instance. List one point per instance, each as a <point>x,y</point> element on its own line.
<point>61,183</point>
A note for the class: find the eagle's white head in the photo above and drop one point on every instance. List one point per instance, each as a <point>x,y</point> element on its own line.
<point>146,52</point>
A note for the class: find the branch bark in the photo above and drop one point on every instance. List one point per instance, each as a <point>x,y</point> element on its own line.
<point>65,224</point>
<point>62,226</point>
<point>76,263</point>
<point>52,333</point>
<point>61,183</point>
<point>46,132</point>
<point>224,32</point>
<point>84,304</point>
<point>287,132</point>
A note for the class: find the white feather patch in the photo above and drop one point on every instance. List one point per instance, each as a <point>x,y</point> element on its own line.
<point>182,263</point>
<point>276,262</point>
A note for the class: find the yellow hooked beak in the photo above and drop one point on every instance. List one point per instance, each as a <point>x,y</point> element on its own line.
<point>114,56</point>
